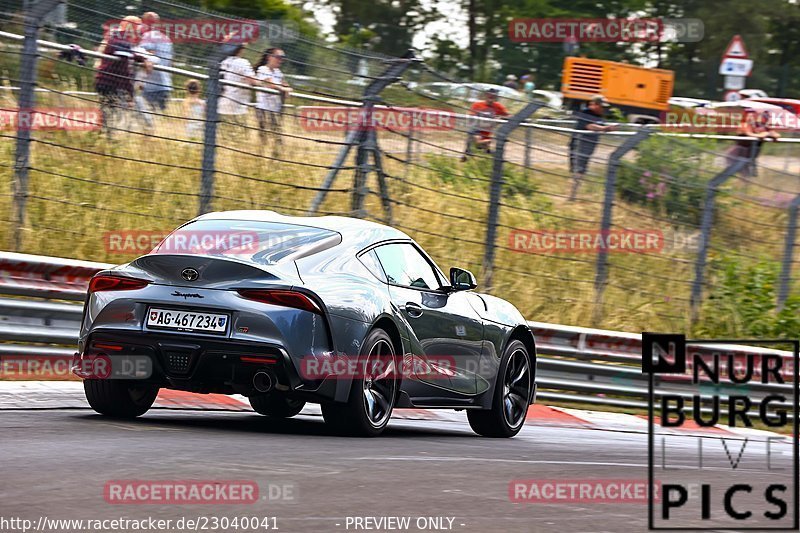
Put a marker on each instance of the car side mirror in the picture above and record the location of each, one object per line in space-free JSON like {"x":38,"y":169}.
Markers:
{"x":462,"y":280}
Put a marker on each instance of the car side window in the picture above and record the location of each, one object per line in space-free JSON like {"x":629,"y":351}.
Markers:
{"x":370,"y":260}
{"x":404,"y":265}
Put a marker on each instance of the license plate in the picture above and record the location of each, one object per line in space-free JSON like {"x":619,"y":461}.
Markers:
{"x":193,"y":321}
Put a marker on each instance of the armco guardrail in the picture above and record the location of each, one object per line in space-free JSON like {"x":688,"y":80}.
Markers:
{"x":575,"y":364}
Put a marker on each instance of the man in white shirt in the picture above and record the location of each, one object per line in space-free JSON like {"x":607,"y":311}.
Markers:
{"x":268,"y":105}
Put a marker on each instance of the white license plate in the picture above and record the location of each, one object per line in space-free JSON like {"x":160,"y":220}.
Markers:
{"x":193,"y":321}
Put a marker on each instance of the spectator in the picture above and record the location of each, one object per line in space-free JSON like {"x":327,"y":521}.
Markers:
{"x":528,"y":85}
{"x":582,"y":145}
{"x":142,"y":70}
{"x":269,"y":106}
{"x":158,"y":84}
{"x":511,"y":82}
{"x":194,"y":108}
{"x":234,"y":100}
{"x":114,"y":78}
{"x":481,"y":134}
{"x":754,"y":125}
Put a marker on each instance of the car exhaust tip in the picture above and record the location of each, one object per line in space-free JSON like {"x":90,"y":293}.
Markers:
{"x":263,"y":382}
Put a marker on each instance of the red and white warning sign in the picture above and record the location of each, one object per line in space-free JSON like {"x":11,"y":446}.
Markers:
{"x":736,"y":49}
{"x":735,"y":60}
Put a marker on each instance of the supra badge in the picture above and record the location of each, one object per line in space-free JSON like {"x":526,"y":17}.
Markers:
{"x":190,"y":274}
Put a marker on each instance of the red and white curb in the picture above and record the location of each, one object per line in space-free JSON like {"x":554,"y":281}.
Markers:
{"x":23,"y":395}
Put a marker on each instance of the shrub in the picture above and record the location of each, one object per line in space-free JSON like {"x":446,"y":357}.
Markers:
{"x":666,"y":177}
{"x":742,"y":302}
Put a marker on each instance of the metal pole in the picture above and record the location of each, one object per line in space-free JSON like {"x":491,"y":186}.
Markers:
{"x":528,"y":135}
{"x":34,"y":15}
{"x":362,"y":164}
{"x":705,"y":232}
{"x":213,"y":91}
{"x":601,"y":268}
{"x":357,"y":136}
{"x":496,"y":187}
{"x":788,"y":254}
{"x":409,"y":148}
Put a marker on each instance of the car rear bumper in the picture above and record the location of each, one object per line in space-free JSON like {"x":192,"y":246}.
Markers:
{"x":197,"y":364}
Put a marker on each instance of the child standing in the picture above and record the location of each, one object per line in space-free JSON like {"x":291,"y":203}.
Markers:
{"x":194,"y":108}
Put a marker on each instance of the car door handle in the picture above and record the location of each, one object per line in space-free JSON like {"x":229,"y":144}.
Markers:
{"x":413,"y":310}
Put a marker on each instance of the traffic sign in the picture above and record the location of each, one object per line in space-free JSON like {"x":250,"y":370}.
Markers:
{"x":734,"y":82}
{"x":736,"y":48}
{"x":732,"y":66}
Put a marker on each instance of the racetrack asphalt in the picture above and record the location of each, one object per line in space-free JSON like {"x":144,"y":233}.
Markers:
{"x":56,"y":463}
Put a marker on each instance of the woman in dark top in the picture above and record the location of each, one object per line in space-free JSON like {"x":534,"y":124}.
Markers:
{"x":754,"y":125}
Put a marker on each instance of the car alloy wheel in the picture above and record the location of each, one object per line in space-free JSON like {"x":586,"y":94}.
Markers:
{"x":379,"y":385}
{"x":516,"y":388}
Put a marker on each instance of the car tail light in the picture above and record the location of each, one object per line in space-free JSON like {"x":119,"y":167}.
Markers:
{"x":115,"y":283}
{"x":106,"y":346}
{"x":282,"y":297}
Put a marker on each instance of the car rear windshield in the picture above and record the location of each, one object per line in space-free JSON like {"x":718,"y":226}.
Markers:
{"x":264,"y":243}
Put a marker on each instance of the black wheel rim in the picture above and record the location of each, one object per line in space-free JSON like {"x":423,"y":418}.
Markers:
{"x":516,"y":388}
{"x":379,"y":384}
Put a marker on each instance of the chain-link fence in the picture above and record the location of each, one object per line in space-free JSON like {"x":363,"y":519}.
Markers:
{"x":631,"y":229}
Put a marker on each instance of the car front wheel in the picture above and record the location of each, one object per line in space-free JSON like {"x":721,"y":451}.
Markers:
{"x":372,"y":392}
{"x":511,"y":396}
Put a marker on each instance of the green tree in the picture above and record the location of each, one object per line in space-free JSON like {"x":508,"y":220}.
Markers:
{"x":392,"y":23}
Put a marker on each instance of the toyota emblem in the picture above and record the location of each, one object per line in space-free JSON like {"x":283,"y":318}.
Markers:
{"x":190,"y":274}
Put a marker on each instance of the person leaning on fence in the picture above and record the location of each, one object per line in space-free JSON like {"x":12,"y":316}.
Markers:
{"x":589,"y":119}
{"x":142,"y":70}
{"x":115,"y":77}
{"x":480,"y":135}
{"x":234,"y":101}
{"x":269,"y":106}
{"x":158,"y":85}
{"x":194,"y":109}
{"x":757,"y":126}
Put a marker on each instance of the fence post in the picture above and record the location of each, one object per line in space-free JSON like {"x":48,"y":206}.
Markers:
{"x":528,"y":135}
{"x":409,"y":148}
{"x":601,"y":268}
{"x":359,"y":137}
{"x":705,"y":232}
{"x":34,"y":15}
{"x":788,"y":253}
{"x":213,"y":91}
{"x":496,"y":187}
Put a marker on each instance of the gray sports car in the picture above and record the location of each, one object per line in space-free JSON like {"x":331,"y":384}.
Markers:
{"x":346,"y":313}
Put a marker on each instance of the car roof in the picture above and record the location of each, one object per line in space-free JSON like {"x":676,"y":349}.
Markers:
{"x":354,"y":231}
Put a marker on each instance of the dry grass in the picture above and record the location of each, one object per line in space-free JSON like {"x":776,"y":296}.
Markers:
{"x":83,"y":185}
